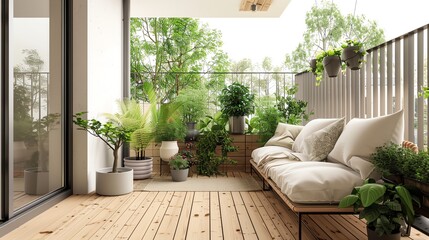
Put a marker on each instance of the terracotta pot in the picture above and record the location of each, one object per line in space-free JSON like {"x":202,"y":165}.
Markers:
{"x":352,"y":57}
{"x":332,"y":65}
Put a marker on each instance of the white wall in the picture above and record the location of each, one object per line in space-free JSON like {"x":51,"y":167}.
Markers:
{"x":97,"y":81}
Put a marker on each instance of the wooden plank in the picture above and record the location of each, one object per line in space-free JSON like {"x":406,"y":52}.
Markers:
{"x":215,"y":217}
{"x":330,"y":228}
{"x":199,"y":226}
{"x":230,"y":224}
{"x":158,"y":218}
{"x":73,"y":223}
{"x":258,"y":222}
{"x":144,"y":222}
{"x":281,"y":227}
{"x":168,"y":225}
{"x":314,"y":228}
{"x":349,"y":227}
{"x":121,"y":221}
{"x":119,"y":204}
{"x":132,"y":217}
{"x":247,"y":228}
{"x":182,"y":226}
{"x":42,"y":223}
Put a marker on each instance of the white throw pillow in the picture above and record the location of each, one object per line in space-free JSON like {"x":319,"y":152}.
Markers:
{"x":311,"y":127}
{"x":360,"y":138}
{"x":320,"y":143}
{"x":285,"y":135}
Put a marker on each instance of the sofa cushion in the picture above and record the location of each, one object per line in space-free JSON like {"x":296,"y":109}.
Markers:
{"x":285,"y":135}
{"x":315,"y":182}
{"x":318,"y":144}
{"x":360,"y":138}
{"x":309,"y":128}
{"x":261,"y":153}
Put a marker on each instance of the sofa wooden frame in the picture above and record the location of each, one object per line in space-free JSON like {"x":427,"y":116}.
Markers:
{"x":298,"y":208}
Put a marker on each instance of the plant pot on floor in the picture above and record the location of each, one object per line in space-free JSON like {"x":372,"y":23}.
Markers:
{"x":142,"y":168}
{"x":352,"y":57}
{"x":114,"y":184}
{"x":332,"y":65}
{"x":168,"y":149}
{"x":36,"y":181}
{"x":179,"y":175}
{"x":372,"y":235}
{"x":236,"y":124}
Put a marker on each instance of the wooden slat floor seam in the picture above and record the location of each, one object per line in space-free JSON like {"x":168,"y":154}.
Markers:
{"x":187,"y":215}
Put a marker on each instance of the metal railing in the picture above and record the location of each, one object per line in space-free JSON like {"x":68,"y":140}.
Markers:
{"x":389,"y":80}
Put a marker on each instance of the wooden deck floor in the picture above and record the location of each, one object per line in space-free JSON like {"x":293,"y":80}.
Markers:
{"x":185,"y":215}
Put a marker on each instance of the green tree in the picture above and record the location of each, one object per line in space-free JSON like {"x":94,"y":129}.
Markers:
{"x":328,"y":28}
{"x":163,"y":47}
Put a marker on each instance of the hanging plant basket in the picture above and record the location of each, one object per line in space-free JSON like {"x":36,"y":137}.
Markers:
{"x":332,"y":65}
{"x":353,"y":57}
{"x":313,"y":65}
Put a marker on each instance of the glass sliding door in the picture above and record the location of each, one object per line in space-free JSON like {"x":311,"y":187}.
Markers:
{"x":37,"y":60}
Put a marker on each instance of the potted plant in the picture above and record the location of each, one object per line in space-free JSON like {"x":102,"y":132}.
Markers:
{"x":384,"y":206}
{"x":194,"y":107}
{"x":332,"y":61}
{"x":142,"y":125}
{"x":353,"y":54}
{"x":179,"y":168}
{"x":236,"y":102}
{"x":114,"y":180}
{"x":313,"y":63}
{"x":168,"y":132}
{"x":36,"y":178}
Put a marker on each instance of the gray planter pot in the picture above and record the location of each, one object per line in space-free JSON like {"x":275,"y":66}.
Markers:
{"x":352,"y":57}
{"x":36,"y":181}
{"x":142,"y":168}
{"x":372,"y":235}
{"x":332,"y":65}
{"x":236,"y":125}
{"x":179,"y":175}
{"x":114,"y":184}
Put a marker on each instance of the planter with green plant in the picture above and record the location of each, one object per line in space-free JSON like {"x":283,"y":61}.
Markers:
{"x":194,"y":104}
{"x":236,"y":102}
{"x":329,"y":61}
{"x":114,"y":180}
{"x":353,"y":54}
{"x":213,"y":134}
{"x":384,"y":206}
{"x":179,"y":168}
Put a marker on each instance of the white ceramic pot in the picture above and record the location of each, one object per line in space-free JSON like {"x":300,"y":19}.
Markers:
{"x":142,"y":168}
{"x":36,"y":181}
{"x":168,"y":149}
{"x":113,"y":184}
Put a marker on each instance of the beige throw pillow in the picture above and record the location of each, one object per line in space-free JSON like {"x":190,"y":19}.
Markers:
{"x":320,"y":143}
{"x":284,"y":136}
{"x":360,"y":138}
{"x":311,"y":127}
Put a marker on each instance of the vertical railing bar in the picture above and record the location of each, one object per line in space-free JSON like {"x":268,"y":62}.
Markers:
{"x":362,"y":92}
{"x":356,"y":81}
{"x":411,"y":97}
{"x":420,"y":109}
{"x":375,"y":84}
{"x":389,"y":79}
{"x":368,"y":86}
{"x":382,"y":71}
{"x":347,"y":91}
{"x":398,"y":74}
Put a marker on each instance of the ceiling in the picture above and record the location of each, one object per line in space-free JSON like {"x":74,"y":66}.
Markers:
{"x":204,"y":8}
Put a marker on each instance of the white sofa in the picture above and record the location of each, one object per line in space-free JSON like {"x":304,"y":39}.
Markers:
{"x":323,"y":161}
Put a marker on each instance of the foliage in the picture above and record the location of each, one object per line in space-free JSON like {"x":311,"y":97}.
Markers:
{"x":194,"y":103}
{"x":265,"y":122}
{"x":112,"y":134}
{"x":424,"y":92}
{"x":292,"y":110}
{"x":236,"y":100}
{"x":170,"y":126}
{"x":142,"y":125}
{"x":163,"y":47}
{"x":354,"y":43}
{"x":326,"y":27}
{"x":385,"y":206}
{"x":213,"y":134}
{"x":177,"y":162}
{"x":319,"y":62}
{"x":416,"y":167}
{"x":22,"y":122}
{"x":389,"y":158}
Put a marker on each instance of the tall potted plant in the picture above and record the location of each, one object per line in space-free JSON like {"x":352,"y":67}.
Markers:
{"x":236,"y":102}
{"x":353,"y":54}
{"x":384,"y":206}
{"x":194,"y":107}
{"x":115,"y":180}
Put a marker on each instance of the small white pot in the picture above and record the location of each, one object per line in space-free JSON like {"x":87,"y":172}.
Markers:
{"x":168,"y":149}
{"x":113,"y":184}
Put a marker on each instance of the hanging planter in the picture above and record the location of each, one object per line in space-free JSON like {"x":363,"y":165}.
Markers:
{"x":332,"y":65}
{"x":353,"y":54}
{"x":313,"y":65}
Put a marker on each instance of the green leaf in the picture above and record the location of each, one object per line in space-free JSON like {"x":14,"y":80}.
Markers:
{"x":370,"y":193}
{"x":347,"y":201}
